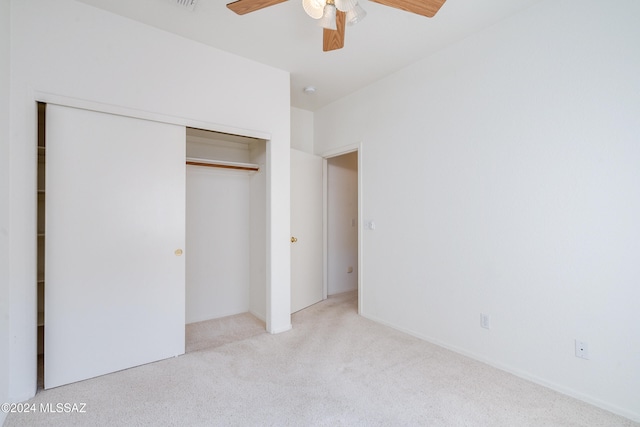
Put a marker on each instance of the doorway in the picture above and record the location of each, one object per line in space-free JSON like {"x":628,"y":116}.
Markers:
{"x":342,"y":223}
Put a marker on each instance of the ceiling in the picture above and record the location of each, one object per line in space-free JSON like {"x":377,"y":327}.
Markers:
{"x":283,"y":36}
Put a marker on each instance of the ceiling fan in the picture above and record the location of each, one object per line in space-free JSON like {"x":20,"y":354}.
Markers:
{"x":334,"y":14}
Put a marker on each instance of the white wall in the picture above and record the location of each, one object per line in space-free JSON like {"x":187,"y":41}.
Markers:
{"x":5,"y":136}
{"x":217,"y":243}
{"x":77,"y":51}
{"x":302,"y":130}
{"x":502,"y":173}
{"x":216,"y":149}
{"x":342,"y":220}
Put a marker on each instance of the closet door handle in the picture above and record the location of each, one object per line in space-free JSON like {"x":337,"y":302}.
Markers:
{"x":294,"y":239}
{"x":178,"y":252}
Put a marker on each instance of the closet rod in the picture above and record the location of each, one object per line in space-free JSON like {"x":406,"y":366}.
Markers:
{"x":222,"y":164}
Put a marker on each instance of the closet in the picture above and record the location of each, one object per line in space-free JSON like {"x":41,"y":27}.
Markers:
{"x":225,"y":225}
{"x":125,"y":246}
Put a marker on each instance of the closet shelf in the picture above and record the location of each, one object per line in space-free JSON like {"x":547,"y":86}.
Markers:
{"x":222,"y":164}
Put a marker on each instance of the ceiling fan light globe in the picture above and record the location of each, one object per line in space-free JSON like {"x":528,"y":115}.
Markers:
{"x":345,"y":5}
{"x":328,"y":19}
{"x":355,"y":15}
{"x":314,"y":8}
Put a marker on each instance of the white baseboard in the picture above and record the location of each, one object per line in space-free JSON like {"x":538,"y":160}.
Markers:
{"x":280,"y":330}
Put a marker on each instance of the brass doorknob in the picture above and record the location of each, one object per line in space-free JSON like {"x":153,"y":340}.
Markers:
{"x":294,"y":239}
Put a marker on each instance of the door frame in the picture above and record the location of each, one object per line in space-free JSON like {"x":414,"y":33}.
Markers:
{"x":357,"y":147}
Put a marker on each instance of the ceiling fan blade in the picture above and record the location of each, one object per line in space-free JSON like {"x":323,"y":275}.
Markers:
{"x":245,"y":6}
{"x":334,"y":39}
{"x":426,"y":8}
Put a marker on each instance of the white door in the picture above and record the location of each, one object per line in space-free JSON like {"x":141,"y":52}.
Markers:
{"x":115,"y":230}
{"x":306,"y":230}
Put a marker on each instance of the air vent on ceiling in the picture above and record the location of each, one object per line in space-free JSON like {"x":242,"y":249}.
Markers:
{"x":187,"y":4}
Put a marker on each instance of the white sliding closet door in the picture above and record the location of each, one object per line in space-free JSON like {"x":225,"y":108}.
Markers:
{"x":115,"y":230}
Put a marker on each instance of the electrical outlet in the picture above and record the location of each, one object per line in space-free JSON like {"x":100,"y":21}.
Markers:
{"x":485,"y":321}
{"x":582,"y":349}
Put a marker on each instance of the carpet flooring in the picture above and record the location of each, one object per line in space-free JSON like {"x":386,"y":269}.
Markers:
{"x":334,"y":368}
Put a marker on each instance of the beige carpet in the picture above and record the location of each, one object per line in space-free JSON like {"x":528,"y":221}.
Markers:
{"x":334,"y":368}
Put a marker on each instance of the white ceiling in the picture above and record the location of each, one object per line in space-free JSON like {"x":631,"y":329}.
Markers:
{"x":284,"y":37}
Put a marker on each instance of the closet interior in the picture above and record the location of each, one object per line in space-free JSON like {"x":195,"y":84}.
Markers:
{"x":225,"y":225}
{"x":41,"y":227}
